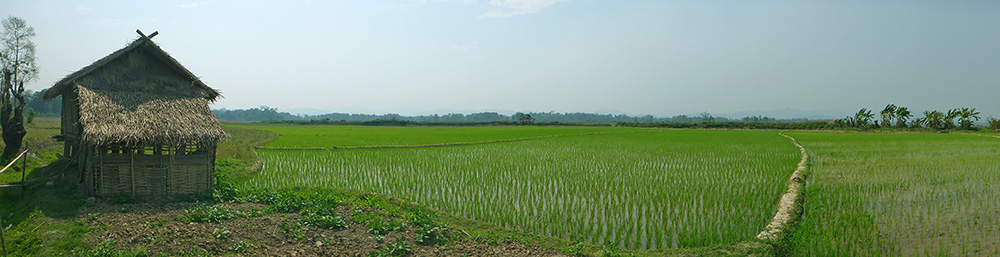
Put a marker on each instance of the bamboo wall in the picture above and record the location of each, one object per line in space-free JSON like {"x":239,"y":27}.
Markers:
{"x":70,"y":127}
{"x":152,"y":172}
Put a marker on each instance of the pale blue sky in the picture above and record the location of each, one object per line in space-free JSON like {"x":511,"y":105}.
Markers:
{"x":657,"y":57}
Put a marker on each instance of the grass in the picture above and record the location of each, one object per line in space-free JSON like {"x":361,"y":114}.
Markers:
{"x":899,"y":194}
{"x":40,"y":221}
{"x":665,"y":189}
{"x":241,"y":140}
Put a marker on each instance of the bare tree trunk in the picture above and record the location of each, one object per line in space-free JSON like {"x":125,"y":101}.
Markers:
{"x":11,"y":117}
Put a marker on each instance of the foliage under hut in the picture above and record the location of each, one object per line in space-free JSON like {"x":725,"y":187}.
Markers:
{"x":137,"y":121}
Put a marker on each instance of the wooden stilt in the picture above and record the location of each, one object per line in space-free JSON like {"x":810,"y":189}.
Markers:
{"x":131,"y":170}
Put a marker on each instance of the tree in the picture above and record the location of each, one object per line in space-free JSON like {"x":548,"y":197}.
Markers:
{"x":902,"y":114}
{"x":863,"y":118}
{"x":17,"y":62}
{"x":888,"y":114}
{"x":917,"y":123}
{"x":965,"y":117}
{"x":850,"y":122}
{"x":994,"y":124}
{"x":933,"y":119}
{"x":759,"y":118}
{"x":949,"y":119}
{"x":707,"y":117}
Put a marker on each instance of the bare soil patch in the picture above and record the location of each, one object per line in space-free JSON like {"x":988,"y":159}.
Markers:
{"x":160,"y":229}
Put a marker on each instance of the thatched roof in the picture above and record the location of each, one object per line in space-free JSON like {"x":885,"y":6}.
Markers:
{"x":140,"y":95}
{"x":141,"y":117}
{"x":141,"y":65}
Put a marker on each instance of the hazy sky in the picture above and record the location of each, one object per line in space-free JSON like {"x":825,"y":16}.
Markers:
{"x":658,"y":57}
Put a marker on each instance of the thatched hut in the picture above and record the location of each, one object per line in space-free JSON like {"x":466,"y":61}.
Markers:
{"x":137,"y":121}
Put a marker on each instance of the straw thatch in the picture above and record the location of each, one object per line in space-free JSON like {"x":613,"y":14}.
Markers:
{"x":138,"y":95}
{"x":141,"y":65}
{"x":134,"y":118}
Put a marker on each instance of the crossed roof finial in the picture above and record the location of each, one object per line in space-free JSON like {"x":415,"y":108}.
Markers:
{"x":144,"y":35}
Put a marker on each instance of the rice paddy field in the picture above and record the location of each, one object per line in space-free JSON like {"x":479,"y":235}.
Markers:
{"x":866,"y":194}
{"x":900,"y":195}
{"x":631,"y":188}
{"x":326,"y":136}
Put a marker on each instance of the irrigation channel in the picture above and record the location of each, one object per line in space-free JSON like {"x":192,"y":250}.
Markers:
{"x":649,"y":190}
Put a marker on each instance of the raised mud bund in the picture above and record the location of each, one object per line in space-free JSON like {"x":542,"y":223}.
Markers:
{"x":790,"y":203}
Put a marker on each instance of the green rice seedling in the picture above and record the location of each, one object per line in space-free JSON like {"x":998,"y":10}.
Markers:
{"x":648,"y":190}
{"x":304,"y":136}
{"x":899,"y":194}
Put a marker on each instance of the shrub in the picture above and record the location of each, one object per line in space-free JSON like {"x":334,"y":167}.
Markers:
{"x":110,"y":249}
{"x":431,"y":235}
{"x":324,"y":221}
{"x":401,"y":248}
{"x":224,"y":190}
{"x":377,"y":227}
{"x":242,"y":246}
{"x":221,"y":233}
{"x":421,"y":218}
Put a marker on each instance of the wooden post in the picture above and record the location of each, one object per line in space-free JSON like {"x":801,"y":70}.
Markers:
{"x":132,"y":168}
{"x":132,"y":172}
{"x":170,"y":170}
{"x":101,"y":187}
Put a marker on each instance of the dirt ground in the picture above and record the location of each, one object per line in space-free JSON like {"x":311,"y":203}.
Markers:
{"x":159,"y":229}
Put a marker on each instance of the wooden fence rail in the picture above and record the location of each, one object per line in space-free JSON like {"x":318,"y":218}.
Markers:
{"x":24,"y":169}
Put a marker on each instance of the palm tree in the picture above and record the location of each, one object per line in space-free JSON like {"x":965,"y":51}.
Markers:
{"x":863,"y":117}
{"x":949,"y":119}
{"x":887,"y":115}
{"x":917,"y":123}
{"x":933,"y":119}
{"x":847,"y":121}
{"x":902,"y":114}
{"x":965,"y":117}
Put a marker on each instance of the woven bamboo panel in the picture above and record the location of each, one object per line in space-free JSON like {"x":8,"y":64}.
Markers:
{"x":149,"y":177}
{"x":120,"y":175}
{"x":189,"y":179}
{"x":153,"y":182}
{"x":108,"y":179}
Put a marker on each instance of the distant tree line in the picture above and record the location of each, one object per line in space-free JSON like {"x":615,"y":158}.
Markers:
{"x":426,"y":123}
{"x":893,"y":116}
{"x":254,"y":114}
{"x":35,"y":104}
{"x":265,"y":113}
{"x":811,"y":125}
